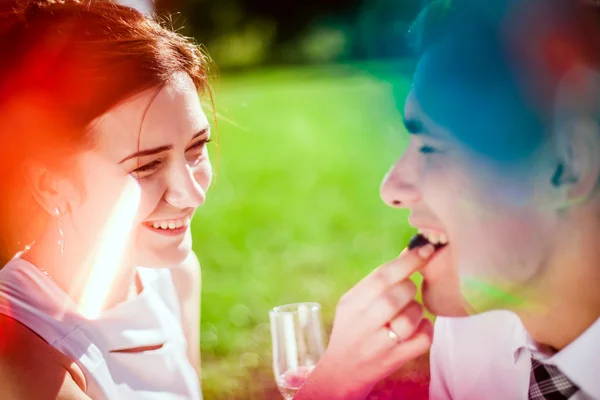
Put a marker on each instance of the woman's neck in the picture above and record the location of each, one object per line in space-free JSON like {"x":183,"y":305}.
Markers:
{"x":94,"y":281}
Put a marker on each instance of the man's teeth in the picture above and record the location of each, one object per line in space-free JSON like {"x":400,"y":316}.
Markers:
{"x":171,"y":224}
{"x":435,"y":238}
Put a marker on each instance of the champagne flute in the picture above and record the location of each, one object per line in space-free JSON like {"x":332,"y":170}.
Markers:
{"x":298,"y":344}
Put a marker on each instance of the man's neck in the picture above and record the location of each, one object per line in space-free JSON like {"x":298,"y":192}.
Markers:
{"x":560,"y":326}
{"x":568,"y":294}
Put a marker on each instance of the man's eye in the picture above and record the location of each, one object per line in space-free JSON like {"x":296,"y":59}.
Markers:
{"x":427,"y":150}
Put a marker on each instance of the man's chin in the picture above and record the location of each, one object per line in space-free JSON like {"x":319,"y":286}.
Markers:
{"x":443,"y":301}
{"x":441,"y":291}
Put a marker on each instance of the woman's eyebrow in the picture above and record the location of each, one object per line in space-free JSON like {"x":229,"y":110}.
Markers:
{"x":200,"y":133}
{"x":159,"y":149}
{"x":147,"y":152}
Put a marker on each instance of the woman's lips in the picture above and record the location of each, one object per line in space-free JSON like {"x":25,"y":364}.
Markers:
{"x":173,"y":223}
{"x":168,"y":232}
{"x":170,"y":227}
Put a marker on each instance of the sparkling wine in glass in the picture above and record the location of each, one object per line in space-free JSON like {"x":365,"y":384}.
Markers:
{"x":298,"y":344}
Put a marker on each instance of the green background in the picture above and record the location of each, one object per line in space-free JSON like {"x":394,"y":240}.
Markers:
{"x":294,"y":213}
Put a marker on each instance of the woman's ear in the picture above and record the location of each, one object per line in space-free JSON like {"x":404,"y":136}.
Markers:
{"x":50,"y":190}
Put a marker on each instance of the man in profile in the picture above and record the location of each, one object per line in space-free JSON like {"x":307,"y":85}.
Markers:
{"x":505,"y":111}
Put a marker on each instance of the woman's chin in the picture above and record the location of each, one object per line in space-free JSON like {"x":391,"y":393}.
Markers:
{"x":164,"y":258}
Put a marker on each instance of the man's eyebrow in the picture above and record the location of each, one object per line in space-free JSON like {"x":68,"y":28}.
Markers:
{"x":414,"y":126}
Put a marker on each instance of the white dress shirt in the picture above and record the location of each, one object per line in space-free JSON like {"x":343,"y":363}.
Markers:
{"x":488,"y":356}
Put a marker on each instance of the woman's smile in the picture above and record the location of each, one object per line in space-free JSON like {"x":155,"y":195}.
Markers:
{"x":170,"y":227}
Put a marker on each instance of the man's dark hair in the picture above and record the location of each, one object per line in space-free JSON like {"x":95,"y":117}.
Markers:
{"x":515,"y":51}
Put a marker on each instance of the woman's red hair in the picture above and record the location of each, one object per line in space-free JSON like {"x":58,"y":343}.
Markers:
{"x":63,"y":64}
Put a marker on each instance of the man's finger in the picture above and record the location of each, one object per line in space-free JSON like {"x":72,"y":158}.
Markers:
{"x":390,"y":274}
{"x":416,"y":345}
{"x":389,"y":304}
{"x":405,"y":324}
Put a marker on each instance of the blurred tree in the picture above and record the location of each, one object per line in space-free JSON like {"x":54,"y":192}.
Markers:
{"x":382,"y":28}
{"x":242,"y":33}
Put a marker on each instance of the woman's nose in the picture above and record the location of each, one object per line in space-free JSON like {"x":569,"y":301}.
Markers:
{"x":184,"y":190}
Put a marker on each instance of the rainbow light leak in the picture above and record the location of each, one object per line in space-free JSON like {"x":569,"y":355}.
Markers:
{"x":484,"y":295}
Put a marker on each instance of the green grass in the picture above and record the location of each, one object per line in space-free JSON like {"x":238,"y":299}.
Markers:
{"x":295,"y":213}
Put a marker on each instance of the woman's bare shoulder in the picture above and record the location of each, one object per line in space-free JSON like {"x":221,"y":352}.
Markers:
{"x":32,"y":369}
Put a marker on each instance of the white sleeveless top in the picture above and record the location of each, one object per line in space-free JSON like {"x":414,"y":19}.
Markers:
{"x":151,"y":318}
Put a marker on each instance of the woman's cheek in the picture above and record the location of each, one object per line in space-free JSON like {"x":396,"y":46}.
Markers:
{"x":203,"y":174}
{"x":151,"y":195}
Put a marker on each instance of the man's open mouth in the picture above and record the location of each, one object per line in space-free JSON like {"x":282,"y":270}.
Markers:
{"x":421,"y":239}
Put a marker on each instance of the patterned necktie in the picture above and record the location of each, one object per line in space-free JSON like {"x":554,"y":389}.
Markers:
{"x":548,"y":383}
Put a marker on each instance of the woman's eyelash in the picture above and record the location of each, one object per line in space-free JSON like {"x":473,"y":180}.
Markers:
{"x":200,"y":143}
{"x":148,"y":167}
{"x":154,"y":164}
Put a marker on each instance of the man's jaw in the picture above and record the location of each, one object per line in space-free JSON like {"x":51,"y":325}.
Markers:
{"x":440,"y":287}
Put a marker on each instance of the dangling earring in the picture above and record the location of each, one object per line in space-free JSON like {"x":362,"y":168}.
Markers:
{"x":61,"y":241}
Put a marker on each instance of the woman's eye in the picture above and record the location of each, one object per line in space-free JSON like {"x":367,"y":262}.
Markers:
{"x":200,"y":144}
{"x":196,"y":152}
{"x":144,"y":169}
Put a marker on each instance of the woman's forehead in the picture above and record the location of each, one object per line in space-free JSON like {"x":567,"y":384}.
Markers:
{"x":134,"y":110}
{"x":156,"y":117}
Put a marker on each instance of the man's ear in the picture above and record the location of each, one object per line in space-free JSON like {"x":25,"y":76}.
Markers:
{"x":577,"y":169}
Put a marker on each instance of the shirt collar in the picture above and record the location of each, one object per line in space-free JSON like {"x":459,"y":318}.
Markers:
{"x":522,"y":341}
{"x":578,"y":361}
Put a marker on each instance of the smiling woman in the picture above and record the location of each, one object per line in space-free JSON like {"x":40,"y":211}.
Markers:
{"x":104,"y":161}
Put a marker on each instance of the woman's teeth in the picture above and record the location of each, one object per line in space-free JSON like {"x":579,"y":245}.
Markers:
{"x":172,"y":224}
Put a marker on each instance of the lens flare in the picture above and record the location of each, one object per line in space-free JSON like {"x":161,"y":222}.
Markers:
{"x":110,"y":253}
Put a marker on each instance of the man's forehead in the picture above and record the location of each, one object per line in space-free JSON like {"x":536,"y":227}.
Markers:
{"x":478,"y":100}
{"x":499,"y":80}
{"x":417,"y":122}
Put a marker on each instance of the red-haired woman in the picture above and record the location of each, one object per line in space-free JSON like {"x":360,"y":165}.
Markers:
{"x":103,"y":161}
